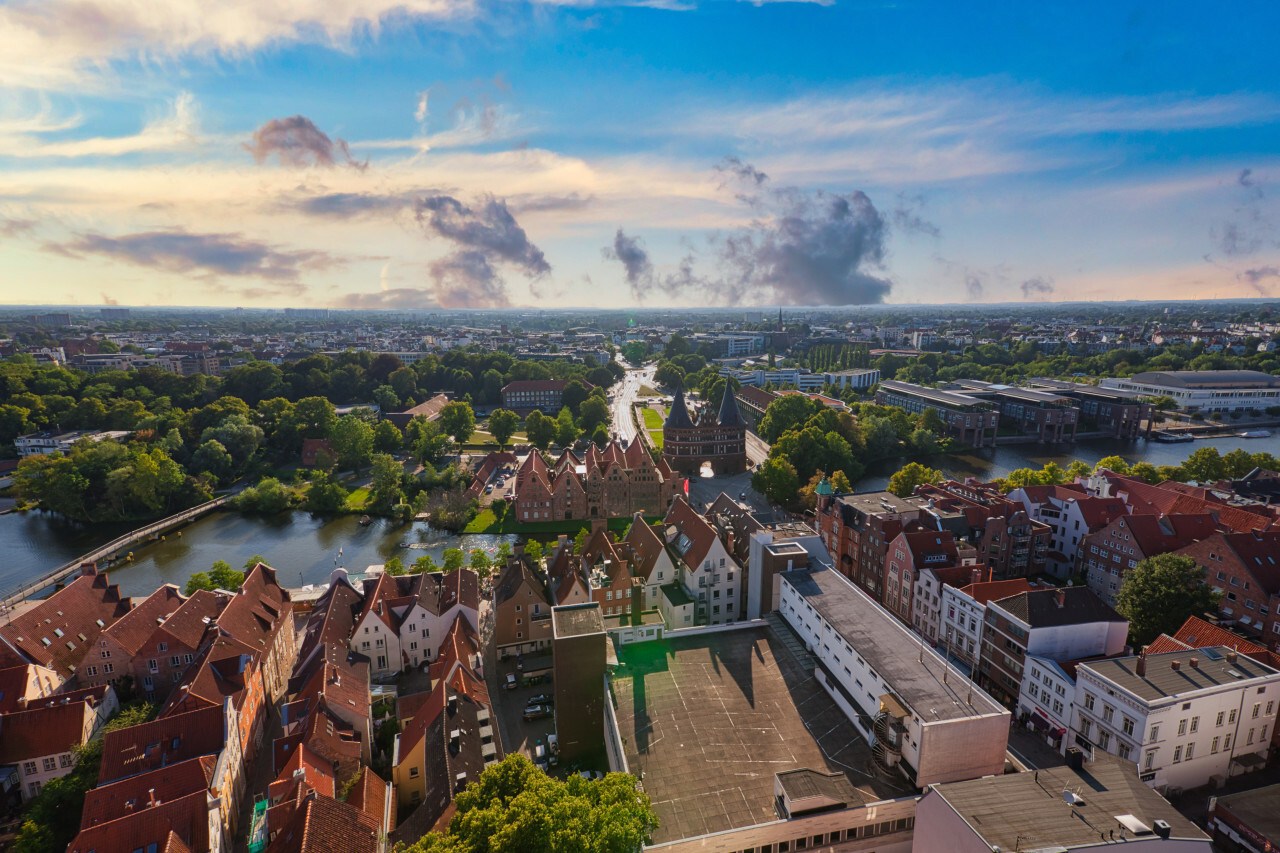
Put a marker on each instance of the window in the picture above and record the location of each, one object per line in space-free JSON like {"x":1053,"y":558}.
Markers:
{"x":153,"y":665}
{"x":164,"y":647}
{"x":1123,"y":750}
{"x":1150,"y":761}
{"x":1221,"y":714}
{"x":1195,"y":724}
{"x":1270,"y":706}
{"x":1226,"y":743}
{"x":1213,"y":747}
{"x":1182,"y":727}
{"x":1257,"y":709}
{"x":1104,"y":739}
{"x":1191,"y":750}
{"x":1231,"y":716}
{"x":29,"y":767}
{"x":1177,"y":754}
{"x":1085,"y":726}
{"x":65,"y":760}
{"x":1088,"y":701}
{"x":1249,"y":740}
{"x":51,"y":763}
{"x":413,"y":772}
{"x":188,"y":657}
{"x":1126,"y":725}
{"x":1108,"y":712}
{"x":175,"y":661}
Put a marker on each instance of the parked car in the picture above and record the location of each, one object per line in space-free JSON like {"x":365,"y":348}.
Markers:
{"x":537,"y":712}
{"x":542,"y":699}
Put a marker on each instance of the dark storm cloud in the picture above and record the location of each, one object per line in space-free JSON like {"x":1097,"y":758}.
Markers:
{"x":804,"y":248}
{"x":213,"y":254}
{"x":1036,"y":287}
{"x":298,"y":142}
{"x":973,"y":287}
{"x":1260,"y":274}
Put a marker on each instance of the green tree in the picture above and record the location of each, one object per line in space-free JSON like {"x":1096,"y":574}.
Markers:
{"x":1160,"y":593}
{"x":534,"y":549}
{"x":385,"y":482}
{"x":601,"y":436}
{"x":1146,"y":472}
{"x":1078,"y":470}
{"x":220,"y":576}
{"x":566,"y":429}
{"x":502,"y":425}
{"x":903,"y":483}
{"x":352,"y":442}
{"x":268,"y":497}
{"x":254,"y":560}
{"x":394,"y":567}
{"x":453,"y":558}
{"x":516,"y":806}
{"x":635,"y":352}
{"x":212,"y":458}
{"x":314,"y":417}
{"x":1205,"y":465}
{"x":325,"y":494}
{"x":387,"y":438}
{"x":777,"y":480}
{"x":540,"y":429}
{"x":458,"y":420}
{"x":594,"y":412}
{"x":788,"y":412}
{"x":425,"y":564}
{"x":840,"y":484}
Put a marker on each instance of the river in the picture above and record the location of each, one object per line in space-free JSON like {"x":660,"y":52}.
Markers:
{"x":303,"y":547}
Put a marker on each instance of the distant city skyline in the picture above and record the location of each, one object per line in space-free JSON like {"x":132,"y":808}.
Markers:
{"x":473,"y":154}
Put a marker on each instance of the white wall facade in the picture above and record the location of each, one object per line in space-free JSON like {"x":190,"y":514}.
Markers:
{"x":961,"y":624}
{"x":375,"y":639}
{"x":1047,"y":688}
{"x":1182,"y":741}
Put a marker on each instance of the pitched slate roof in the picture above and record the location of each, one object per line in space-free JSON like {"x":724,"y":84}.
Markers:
{"x":678,"y":417}
{"x":1039,"y":608}
{"x":729,"y":415}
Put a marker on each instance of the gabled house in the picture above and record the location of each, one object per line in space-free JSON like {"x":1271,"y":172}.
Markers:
{"x":435,"y":600}
{"x":1071,"y":514}
{"x":705,"y":569}
{"x":910,"y":553}
{"x":1130,"y":539}
{"x":1245,"y":569}
{"x":61,"y":632}
{"x":260,"y":615}
{"x":122,"y":640}
{"x":22,"y":684}
{"x":377,"y":628}
{"x":162,"y":742}
{"x":522,"y":612}
{"x":39,"y":742}
{"x":163,"y":658}
{"x":650,"y":560}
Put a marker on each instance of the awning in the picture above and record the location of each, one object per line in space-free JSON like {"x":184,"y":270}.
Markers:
{"x":1040,"y":723}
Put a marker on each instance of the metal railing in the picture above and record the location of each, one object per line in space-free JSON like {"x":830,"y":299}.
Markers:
{"x":20,"y":592}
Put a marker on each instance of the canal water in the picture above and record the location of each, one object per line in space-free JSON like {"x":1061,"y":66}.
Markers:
{"x":304,"y":547}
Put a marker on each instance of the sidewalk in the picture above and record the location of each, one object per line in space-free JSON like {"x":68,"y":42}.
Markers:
{"x":1031,"y":749}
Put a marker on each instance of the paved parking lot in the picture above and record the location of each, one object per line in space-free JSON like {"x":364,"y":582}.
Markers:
{"x":519,"y":735}
{"x":707,"y":721}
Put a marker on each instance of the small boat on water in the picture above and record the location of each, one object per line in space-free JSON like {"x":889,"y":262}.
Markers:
{"x":365,"y":521}
{"x":1256,"y":433}
{"x":1171,"y":437}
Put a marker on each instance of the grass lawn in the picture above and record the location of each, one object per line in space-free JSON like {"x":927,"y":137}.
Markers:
{"x":358,"y":498}
{"x":646,"y":391}
{"x":488,"y":522}
{"x":652,"y":420}
{"x":655,"y":435}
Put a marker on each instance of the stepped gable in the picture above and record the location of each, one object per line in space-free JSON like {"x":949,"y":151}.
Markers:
{"x":678,"y":417}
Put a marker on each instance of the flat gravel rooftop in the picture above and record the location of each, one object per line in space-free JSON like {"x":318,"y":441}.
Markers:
{"x":708,"y":720}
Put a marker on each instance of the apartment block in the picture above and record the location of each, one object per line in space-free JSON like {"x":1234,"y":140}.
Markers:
{"x":968,"y":419}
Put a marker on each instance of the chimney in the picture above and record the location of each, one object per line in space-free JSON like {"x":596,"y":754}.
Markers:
{"x":1195,"y":663}
{"x":151,"y":797}
{"x":975,"y":575}
{"x":597,"y":525}
{"x":637,"y":601}
{"x":1231,"y":656}
{"x":1075,"y":758}
{"x":1141,"y":668}
{"x":1060,"y":596}
{"x":1175,"y":665}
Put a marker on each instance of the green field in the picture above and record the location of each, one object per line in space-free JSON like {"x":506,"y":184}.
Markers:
{"x":652,"y":420}
{"x":646,"y":391}
{"x":358,"y":498}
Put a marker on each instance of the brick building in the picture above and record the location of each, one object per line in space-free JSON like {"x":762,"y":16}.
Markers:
{"x":609,"y":483}
{"x":525,"y":395}
{"x":1245,"y":568}
{"x":968,"y":419}
{"x":1115,"y":549}
{"x":690,"y":439}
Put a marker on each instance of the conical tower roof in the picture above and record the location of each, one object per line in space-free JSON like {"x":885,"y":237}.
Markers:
{"x":678,"y":417}
{"x":729,"y":415}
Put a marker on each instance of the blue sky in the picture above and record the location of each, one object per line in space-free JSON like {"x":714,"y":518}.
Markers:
{"x":463,"y":153}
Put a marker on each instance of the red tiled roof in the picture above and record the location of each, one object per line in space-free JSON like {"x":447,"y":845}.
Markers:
{"x":256,"y":613}
{"x":187,"y":817}
{"x":700,"y":533}
{"x":325,"y":825}
{"x":43,"y":731}
{"x":168,"y":740}
{"x":407,"y":707}
{"x":1098,"y":512}
{"x":189,"y":622}
{"x":17,"y":681}
{"x":137,"y":626}
{"x":369,"y":795}
{"x":221,"y":671}
{"x":315,"y":770}
{"x":1162,"y":534}
{"x":1233,"y":518}
{"x":57,"y":631}
{"x":110,"y":801}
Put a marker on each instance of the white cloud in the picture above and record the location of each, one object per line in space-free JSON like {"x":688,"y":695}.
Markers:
{"x":177,"y":128}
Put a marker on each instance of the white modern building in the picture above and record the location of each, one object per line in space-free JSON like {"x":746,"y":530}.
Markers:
{"x":38,"y":443}
{"x":1186,"y":718}
{"x":1046,"y":696}
{"x":918,"y":713}
{"x":1206,"y":390}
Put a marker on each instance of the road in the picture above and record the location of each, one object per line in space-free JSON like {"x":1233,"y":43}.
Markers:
{"x":757,"y":449}
{"x":624,"y":396}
